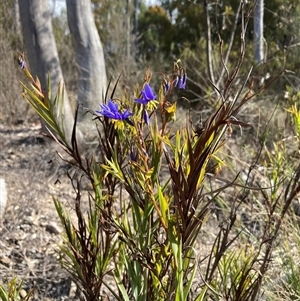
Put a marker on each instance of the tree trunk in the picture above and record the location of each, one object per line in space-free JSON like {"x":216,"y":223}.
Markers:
{"x":128,"y":29}
{"x":16,"y":15}
{"x":92,"y":82}
{"x":209,"y":52}
{"x":42,"y":53}
{"x":258,"y":32}
{"x":135,"y":24}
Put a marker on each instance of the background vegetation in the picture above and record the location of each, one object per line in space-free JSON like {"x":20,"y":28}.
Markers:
{"x":255,"y":251}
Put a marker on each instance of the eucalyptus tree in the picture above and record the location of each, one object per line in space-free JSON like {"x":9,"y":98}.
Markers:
{"x":42,"y":52}
{"x":258,"y":34}
{"x":36,"y":21}
{"x":92,"y":81}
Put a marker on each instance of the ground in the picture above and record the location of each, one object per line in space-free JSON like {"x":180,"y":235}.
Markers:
{"x":31,"y":229}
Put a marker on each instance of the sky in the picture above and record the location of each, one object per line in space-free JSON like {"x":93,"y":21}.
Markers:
{"x":58,"y":5}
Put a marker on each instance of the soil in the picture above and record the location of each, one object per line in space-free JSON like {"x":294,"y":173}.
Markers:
{"x":31,"y":229}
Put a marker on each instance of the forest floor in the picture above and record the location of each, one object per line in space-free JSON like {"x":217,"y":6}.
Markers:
{"x":31,"y":229}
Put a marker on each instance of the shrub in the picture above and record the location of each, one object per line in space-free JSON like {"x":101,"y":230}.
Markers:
{"x":154,"y":189}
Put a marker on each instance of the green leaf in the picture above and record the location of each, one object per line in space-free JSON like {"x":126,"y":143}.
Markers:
{"x":176,"y":245}
{"x":202,"y":294}
{"x":113,"y":168}
{"x":163,"y":204}
{"x":188,"y":286}
{"x":121,"y":287}
{"x":3,"y":294}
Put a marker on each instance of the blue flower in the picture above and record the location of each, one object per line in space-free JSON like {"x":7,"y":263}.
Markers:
{"x":182,"y":81}
{"x":133,"y":156}
{"x":147,"y":95}
{"x":110,"y":110}
{"x":22,"y":63}
{"x":166,"y":86}
{"x":146,"y":117}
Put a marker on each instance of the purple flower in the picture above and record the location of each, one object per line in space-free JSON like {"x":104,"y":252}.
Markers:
{"x":166,"y":86}
{"x":146,"y":117}
{"x":182,"y":81}
{"x":147,"y":95}
{"x":133,"y":156}
{"x":110,"y":110}
{"x":22,"y":63}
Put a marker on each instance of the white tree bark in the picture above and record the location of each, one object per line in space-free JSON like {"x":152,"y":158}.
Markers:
{"x":42,"y":52}
{"x":258,"y":32}
{"x":16,"y":14}
{"x":135,"y":23}
{"x":92,"y":81}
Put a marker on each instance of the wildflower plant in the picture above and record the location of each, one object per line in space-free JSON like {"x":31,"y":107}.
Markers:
{"x":12,"y":291}
{"x":156,"y":178}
